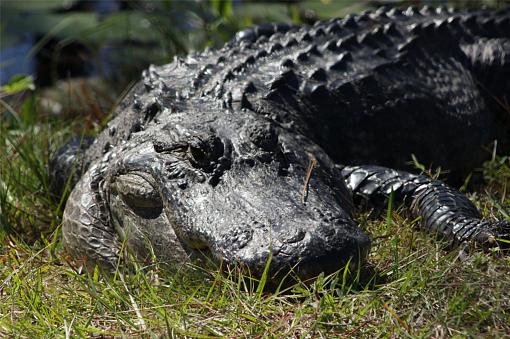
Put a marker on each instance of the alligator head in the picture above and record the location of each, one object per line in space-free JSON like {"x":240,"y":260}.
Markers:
{"x":242,"y":194}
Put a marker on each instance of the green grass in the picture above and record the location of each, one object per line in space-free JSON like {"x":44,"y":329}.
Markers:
{"x":410,"y":287}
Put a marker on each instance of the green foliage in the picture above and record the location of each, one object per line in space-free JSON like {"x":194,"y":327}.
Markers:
{"x":223,"y":8}
{"x":17,"y":84}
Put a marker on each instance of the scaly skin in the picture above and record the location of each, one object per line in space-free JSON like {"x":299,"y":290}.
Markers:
{"x":236,"y":152}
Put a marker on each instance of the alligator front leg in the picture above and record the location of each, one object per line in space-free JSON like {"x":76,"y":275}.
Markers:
{"x":443,"y":210}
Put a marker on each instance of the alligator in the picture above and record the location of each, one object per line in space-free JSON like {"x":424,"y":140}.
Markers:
{"x":261,"y":151}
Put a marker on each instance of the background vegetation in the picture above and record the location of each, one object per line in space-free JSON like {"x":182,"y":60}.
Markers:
{"x":83,"y":57}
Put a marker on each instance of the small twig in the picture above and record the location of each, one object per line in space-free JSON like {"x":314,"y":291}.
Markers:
{"x":395,"y":315}
{"x":309,"y":171}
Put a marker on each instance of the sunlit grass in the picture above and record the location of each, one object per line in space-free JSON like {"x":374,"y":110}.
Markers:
{"x":431,"y":292}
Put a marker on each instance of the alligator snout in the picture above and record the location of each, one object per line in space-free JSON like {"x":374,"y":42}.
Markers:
{"x":255,"y":215}
{"x":306,"y":248}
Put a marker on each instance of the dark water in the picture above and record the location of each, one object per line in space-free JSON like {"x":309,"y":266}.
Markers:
{"x":14,"y":60}
{"x":52,"y":42}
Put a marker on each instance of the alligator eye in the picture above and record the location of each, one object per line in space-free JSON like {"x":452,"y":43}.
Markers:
{"x":198,"y":151}
{"x":138,"y":194}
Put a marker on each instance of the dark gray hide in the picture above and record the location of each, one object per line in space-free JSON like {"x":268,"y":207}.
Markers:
{"x":236,"y":152}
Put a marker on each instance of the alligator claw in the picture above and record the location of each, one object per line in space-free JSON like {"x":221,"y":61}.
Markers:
{"x":496,"y":234}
